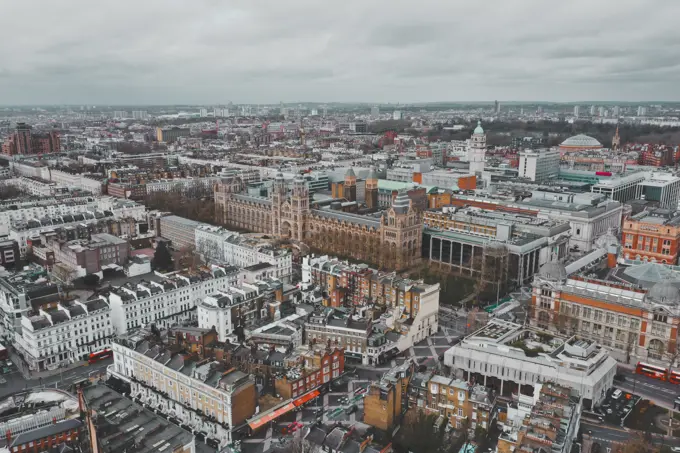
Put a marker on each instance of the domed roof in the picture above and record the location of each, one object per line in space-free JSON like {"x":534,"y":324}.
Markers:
{"x":478,"y":129}
{"x":581,"y":141}
{"x":553,"y":271}
{"x":606,"y":240}
{"x":665,"y":292}
{"x":401,"y":202}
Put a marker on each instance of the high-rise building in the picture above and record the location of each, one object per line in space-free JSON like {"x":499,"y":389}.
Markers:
{"x":139,"y":114}
{"x":592,"y":110}
{"x":203,"y":112}
{"x":616,"y":111}
{"x":24,"y":142}
{"x":169,"y":135}
{"x":540,"y":165}
{"x":120,"y":114}
{"x":23,"y":139}
{"x":396,"y":115}
{"x":641,"y":111}
{"x":375,"y":111}
{"x":576,"y":112}
{"x":600,"y":111}
{"x":496,"y":107}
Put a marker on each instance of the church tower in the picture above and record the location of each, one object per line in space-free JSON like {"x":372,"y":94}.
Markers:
{"x":299,"y":207}
{"x":350,"y":189}
{"x":616,"y":140}
{"x":477,"y":150}
{"x":372,"y":190}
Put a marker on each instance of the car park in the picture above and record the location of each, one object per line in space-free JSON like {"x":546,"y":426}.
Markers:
{"x":617,"y":394}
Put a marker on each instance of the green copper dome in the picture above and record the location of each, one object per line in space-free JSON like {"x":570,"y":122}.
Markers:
{"x":478,"y":129}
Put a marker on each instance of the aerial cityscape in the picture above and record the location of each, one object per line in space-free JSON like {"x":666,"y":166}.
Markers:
{"x":381,"y":228}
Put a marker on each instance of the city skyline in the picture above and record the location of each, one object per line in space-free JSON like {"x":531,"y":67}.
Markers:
{"x":299,"y":51}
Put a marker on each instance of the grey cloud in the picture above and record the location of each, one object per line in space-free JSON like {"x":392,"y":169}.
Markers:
{"x":210,"y":51}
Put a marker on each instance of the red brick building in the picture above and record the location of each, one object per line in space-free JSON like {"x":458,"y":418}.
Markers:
{"x":652,"y":236}
{"x":310,"y":369}
{"x":44,"y":439}
{"x":24,"y":142}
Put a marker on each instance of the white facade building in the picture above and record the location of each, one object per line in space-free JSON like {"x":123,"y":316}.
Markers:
{"x":620,"y":188}
{"x":166,"y":300}
{"x":589,"y":215}
{"x":66,"y":334}
{"x":539,"y":165}
{"x":494,"y":352}
{"x":661,"y":187}
{"x":181,"y":184}
{"x":201,"y":395}
{"x":74,"y":180}
{"x":216,"y":309}
{"x":36,"y":187}
{"x":222,"y":246}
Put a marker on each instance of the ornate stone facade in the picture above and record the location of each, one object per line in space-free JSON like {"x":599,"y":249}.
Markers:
{"x":391,"y":239}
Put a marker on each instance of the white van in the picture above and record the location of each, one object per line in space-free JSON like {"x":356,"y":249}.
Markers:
{"x":617,"y":394}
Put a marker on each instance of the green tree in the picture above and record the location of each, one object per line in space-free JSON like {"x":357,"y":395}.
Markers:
{"x":162,"y":259}
{"x":417,"y":433}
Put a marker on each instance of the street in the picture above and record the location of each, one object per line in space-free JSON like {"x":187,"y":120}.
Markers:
{"x":16,"y":382}
{"x":606,"y":433}
{"x":663,"y":393}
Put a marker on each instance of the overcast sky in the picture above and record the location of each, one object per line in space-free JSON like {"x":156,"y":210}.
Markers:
{"x":266,"y":51}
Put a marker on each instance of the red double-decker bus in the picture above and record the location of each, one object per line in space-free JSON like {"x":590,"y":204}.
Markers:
{"x":655,"y":372}
{"x":100,"y":355}
{"x":674,"y":377}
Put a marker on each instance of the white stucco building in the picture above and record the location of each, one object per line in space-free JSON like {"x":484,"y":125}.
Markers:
{"x":66,"y":334}
{"x":165,"y":299}
{"x":505,"y":354}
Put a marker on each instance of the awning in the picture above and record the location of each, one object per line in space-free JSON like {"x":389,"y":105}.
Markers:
{"x":271,"y":416}
{"x":306,"y":398}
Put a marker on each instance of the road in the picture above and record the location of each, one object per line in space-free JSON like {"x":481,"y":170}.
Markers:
{"x":16,"y":382}
{"x":606,"y":434}
{"x":662,"y":393}
{"x":452,"y":322}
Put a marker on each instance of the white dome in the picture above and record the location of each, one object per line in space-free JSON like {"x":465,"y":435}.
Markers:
{"x":581,"y":141}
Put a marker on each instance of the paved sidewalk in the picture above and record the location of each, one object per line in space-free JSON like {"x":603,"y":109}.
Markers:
{"x":22,"y":366}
